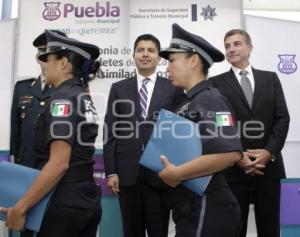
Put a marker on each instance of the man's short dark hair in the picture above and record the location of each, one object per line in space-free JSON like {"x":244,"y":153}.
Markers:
{"x":240,"y":32}
{"x":147,"y":37}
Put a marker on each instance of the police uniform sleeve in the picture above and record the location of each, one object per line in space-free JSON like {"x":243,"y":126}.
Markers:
{"x":217,"y":125}
{"x":62,"y":119}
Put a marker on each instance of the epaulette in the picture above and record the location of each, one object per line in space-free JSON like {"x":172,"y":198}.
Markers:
{"x":25,"y":80}
{"x":31,"y":81}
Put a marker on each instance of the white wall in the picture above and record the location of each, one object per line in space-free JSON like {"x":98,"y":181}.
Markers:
{"x":7,"y":45}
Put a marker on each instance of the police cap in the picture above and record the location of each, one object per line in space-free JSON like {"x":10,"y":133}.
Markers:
{"x":56,"y":43}
{"x":184,"y":41}
{"x":42,"y":38}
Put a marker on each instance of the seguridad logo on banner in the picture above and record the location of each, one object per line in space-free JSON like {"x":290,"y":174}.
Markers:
{"x":287,"y":64}
{"x":210,"y":19}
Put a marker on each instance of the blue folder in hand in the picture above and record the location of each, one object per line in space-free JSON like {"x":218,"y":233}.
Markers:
{"x":179,"y":140}
{"x":15,"y":180}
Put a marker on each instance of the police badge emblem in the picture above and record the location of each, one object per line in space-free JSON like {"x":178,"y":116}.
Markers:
{"x":208,"y":13}
{"x":287,"y":63}
{"x":51,"y":11}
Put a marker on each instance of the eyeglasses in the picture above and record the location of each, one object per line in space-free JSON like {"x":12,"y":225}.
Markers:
{"x":42,"y":50}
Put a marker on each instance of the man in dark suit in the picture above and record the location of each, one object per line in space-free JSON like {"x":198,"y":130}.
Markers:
{"x":261,"y":113}
{"x":133,"y":106}
{"x":29,"y":97}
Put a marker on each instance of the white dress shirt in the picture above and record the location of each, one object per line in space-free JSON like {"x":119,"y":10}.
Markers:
{"x":150,"y":86}
{"x":249,"y":75}
{"x":43,"y":83}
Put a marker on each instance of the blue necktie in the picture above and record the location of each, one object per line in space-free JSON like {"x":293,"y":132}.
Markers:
{"x":143,"y":92}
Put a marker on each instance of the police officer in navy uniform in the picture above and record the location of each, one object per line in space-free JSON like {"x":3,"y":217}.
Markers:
{"x":216,"y":213}
{"x":29,"y":97}
{"x":64,"y":144}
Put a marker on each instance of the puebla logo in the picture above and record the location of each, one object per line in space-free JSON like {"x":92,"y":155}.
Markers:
{"x":51,"y":11}
{"x":287,"y":63}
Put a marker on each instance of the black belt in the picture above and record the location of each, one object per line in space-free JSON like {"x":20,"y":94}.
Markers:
{"x":78,"y":174}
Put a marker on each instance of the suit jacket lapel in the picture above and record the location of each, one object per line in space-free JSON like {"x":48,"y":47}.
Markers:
{"x":234,"y":84}
{"x":132,"y":91}
{"x":157,"y":95}
{"x":257,"y":89}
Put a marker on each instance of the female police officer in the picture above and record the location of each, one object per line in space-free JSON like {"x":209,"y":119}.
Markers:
{"x":217,"y":212}
{"x":64,"y":145}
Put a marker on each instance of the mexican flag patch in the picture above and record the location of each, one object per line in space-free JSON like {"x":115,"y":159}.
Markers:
{"x":60,"y":108}
{"x":224,"y":119}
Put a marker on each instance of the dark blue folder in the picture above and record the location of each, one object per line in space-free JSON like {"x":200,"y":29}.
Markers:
{"x":179,"y":140}
{"x":15,"y":180}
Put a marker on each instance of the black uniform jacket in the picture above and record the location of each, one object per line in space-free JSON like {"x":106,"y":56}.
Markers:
{"x":69,"y":116}
{"x":207,"y":107}
{"x":28,"y":101}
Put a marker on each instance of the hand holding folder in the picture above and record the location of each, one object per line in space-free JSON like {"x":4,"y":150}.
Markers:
{"x":168,"y":174}
{"x":15,"y":180}
{"x":179,"y":140}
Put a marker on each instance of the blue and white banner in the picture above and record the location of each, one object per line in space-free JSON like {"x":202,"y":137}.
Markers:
{"x":104,"y":23}
{"x":209,"y":18}
{"x":114,"y":25}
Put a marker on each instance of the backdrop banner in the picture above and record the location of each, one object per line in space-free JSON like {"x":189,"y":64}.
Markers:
{"x":276,"y":49}
{"x":113,"y":26}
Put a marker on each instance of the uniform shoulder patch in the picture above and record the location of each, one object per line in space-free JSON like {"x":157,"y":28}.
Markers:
{"x":224,"y":119}
{"x":90,"y":112}
{"x":61,"y":108}
{"x":25,"y":80}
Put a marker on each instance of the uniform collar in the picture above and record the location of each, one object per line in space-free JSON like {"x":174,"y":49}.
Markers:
{"x":197,"y":88}
{"x":72,"y":81}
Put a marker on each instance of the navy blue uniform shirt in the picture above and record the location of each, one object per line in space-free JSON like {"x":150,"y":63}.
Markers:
{"x":69,"y":116}
{"x":207,"y":107}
